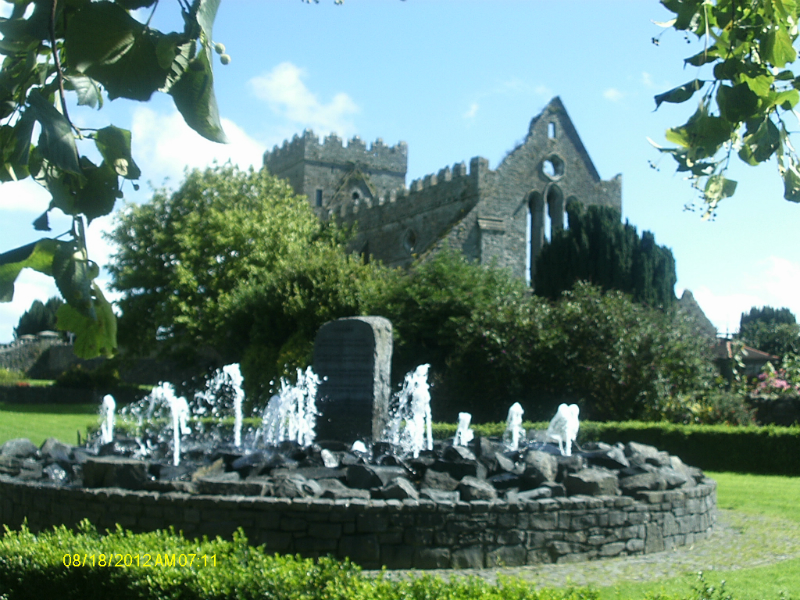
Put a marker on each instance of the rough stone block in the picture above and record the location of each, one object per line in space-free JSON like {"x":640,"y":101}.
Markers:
{"x":506,"y":556}
{"x":353,"y":358}
{"x":397,"y":557}
{"x":432,"y":558}
{"x":370,"y":523}
{"x":468,"y":558}
{"x":592,"y":482}
{"x":612,"y":549}
{"x":654,"y":540}
{"x":360,"y":548}
{"x":325,"y":530}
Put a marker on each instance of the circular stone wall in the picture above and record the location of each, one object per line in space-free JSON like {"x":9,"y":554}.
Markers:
{"x":420,"y":534}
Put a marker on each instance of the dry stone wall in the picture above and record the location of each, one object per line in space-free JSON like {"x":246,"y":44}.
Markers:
{"x":419,"y":534}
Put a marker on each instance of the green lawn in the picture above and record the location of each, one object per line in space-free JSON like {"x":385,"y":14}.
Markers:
{"x":767,"y":495}
{"x":38,"y":422}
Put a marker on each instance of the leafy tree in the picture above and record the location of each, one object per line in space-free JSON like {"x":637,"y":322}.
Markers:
{"x":180,"y":256}
{"x":273,"y":316}
{"x":39,"y":317}
{"x":474,"y":325}
{"x":771,"y":330}
{"x":748,"y":46}
{"x":627,"y":361}
{"x":597,"y":247}
{"x":86,"y":50}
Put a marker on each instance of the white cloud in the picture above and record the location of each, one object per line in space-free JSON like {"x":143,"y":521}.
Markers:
{"x":470,"y":113}
{"x":26,"y":196}
{"x":776,"y":283}
{"x":543,"y":90}
{"x":163,"y":146}
{"x":613,"y":94}
{"x":724,"y":310}
{"x":288,"y":96}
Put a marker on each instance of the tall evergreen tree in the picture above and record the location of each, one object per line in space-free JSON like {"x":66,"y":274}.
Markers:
{"x":597,"y":247}
{"x":39,"y":317}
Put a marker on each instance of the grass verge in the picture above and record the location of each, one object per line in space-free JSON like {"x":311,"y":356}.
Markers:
{"x":37,"y":422}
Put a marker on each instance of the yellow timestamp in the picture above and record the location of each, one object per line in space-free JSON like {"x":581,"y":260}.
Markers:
{"x":146,"y":561}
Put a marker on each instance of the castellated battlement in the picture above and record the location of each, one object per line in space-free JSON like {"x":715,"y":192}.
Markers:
{"x":424,"y":194}
{"x":378,"y":156}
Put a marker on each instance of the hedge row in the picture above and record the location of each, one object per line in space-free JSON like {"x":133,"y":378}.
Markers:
{"x":769,"y":450}
{"x":39,"y":566}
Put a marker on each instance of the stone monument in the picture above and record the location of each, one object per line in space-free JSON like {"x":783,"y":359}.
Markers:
{"x":352,"y":358}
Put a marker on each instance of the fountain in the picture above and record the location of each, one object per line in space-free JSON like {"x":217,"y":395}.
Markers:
{"x":107,"y":419}
{"x":291,"y":413}
{"x":564,"y":427}
{"x":409,"y":427}
{"x":464,"y":434}
{"x":514,"y":430}
{"x":386,"y":501}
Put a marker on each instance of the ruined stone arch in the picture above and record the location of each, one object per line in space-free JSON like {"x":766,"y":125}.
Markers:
{"x":545,"y":219}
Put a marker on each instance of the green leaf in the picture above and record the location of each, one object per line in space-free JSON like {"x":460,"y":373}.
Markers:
{"x":684,"y":10}
{"x":93,"y":336}
{"x":37,"y":256}
{"x":56,"y":142}
{"x":760,"y":85}
{"x":737,"y":103}
{"x":703,"y":133}
{"x":42,"y":223}
{"x":759,"y":146}
{"x":114,"y":145}
{"x":787,"y":99}
{"x":96,"y":198}
{"x":73,"y":275}
{"x":777,"y":47}
{"x":679,"y":94}
{"x":791,"y":183}
{"x":703,"y":58}
{"x":88,"y":91}
{"x":718,"y":188}
{"x":194,"y":97}
{"x":206,"y":12}
{"x":103,"y":41}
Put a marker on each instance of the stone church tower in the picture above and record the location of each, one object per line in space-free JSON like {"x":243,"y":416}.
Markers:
{"x":499,"y":216}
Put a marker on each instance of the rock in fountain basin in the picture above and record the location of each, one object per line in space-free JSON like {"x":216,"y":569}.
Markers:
{"x":598,"y":470}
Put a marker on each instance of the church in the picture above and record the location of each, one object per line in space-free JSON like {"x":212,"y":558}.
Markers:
{"x":497,"y":216}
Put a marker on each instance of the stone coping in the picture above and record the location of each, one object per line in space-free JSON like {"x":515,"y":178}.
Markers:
{"x":421,"y":534}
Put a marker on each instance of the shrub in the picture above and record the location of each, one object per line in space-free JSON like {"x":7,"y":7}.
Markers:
{"x":34,"y":566}
{"x":9,"y":376}
{"x":105,"y":377}
{"x":626,"y":360}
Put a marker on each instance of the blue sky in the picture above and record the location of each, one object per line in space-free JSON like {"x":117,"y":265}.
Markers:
{"x":456,"y":79}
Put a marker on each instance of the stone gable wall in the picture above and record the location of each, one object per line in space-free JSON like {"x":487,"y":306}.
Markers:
{"x":418,"y":534}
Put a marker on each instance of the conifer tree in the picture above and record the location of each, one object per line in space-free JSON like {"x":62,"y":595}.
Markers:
{"x":598,"y":248}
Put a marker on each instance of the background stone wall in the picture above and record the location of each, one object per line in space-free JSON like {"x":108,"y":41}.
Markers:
{"x":398,"y":534}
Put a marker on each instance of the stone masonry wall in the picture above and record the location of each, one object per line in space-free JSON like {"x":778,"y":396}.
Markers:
{"x":398,"y":534}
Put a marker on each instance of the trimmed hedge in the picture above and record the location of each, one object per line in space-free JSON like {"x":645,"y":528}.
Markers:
{"x":35,"y":566}
{"x":769,"y":450}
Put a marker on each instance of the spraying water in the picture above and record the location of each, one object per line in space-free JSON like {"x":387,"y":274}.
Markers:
{"x":179,"y":408}
{"x":409,"y":425}
{"x":107,"y":419}
{"x":225,"y":381}
{"x":235,"y":375}
{"x":464,"y":434}
{"x":514,"y":430}
{"x":291,"y":414}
